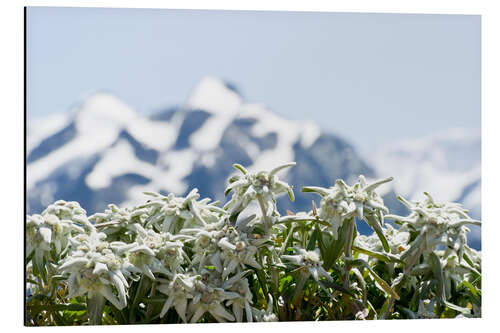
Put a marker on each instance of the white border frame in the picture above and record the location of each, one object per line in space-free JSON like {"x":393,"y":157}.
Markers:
{"x":12,"y":103}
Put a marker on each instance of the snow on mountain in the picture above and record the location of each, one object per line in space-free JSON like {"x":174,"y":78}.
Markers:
{"x":103,"y":151}
{"x":222,"y":103}
{"x":40,"y":129}
{"x":446,"y":164}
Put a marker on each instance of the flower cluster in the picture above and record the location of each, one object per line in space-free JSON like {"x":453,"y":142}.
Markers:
{"x":437,"y":224}
{"x":96,"y":268}
{"x":397,"y":239}
{"x":342,"y":202}
{"x":186,"y":259}
{"x":51,"y":231}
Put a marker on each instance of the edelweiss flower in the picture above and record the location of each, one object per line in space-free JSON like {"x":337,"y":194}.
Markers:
{"x":397,"y":239}
{"x":248,"y":186}
{"x":50,"y":230}
{"x":67,"y":210}
{"x":309,"y":260}
{"x":171,"y":213}
{"x":240,"y":285}
{"x":236,"y":252}
{"x":437,"y":224}
{"x":153,"y":252}
{"x":94,"y":267}
{"x":116,"y":222}
{"x":342,"y":202}
{"x":179,"y":290}
{"x":208,"y":298}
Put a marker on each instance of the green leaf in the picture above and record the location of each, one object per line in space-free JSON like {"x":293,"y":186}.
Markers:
{"x":32,"y":281}
{"x":421,"y":269}
{"x":385,"y":286}
{"x":59,"y":319}
{"x":476,"y":292}
{"x":333,"y":285}
{"x":240,"y":167}
{"x":233,"y":179}
{"x":387,"y":257}
{"x":155,"y":299}
{"x":311,"y":245}
{"x":57,"y":307}
{"x":456,"y":307}
{"x":378,"y":229}
{"x":414,"y":246}
{"x":437,"y":270}
{"x":335,"y":247}
{"x":314,"y":189}
{"x":281,"y":167}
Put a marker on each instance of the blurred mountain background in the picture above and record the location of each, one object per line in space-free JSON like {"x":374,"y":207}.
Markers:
{"x":172,"y":98}
{"x":103,"y":152}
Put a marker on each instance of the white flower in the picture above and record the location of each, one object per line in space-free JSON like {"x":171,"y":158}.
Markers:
{"x":310,"y":260}
{"x":437,"y":224}
{"x":248,"y":186}
{"x":67,"y":210}
{"x":94,"y":267}
{"x":52,"y":230}
{"x":171,"y":213}
{"x":236,"y":252}
{"x":240,"y":285}
{"x":396,"y":238}
{"x":179,"y":291}
{"x":342,"y":202}
{"x":154,"y":252}
{"x":118,"y":222}
{"x":208,"y":298}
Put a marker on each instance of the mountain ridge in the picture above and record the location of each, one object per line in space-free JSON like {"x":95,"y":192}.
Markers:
{"x":98,"y":156}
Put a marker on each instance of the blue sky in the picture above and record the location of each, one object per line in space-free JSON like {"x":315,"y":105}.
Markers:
{"x":372,"y":78}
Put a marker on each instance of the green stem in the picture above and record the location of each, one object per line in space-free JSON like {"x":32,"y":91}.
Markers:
{"x":138,"y":293}
{"x":261,"y":275}
{"x":150,"y":305}
{"x":262,"y":204}
{"x":348,"y":250}
{"x":95,"y":308}
{"x":299,"y":286}
{"x":407,"y":270}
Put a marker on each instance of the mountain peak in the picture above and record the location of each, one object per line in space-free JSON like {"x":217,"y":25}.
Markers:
{"x":103,"y":110}
{"x":214,"y":96}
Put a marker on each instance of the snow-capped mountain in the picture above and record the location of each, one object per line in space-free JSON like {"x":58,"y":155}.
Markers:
{"x":104,"y":152}
{"x":446,"y":164}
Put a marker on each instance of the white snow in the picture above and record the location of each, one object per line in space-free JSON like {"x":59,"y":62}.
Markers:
{"x":38,"y":129}
{"x":116,"y":161}
{"x":157,"y":135}
{"x":98,"y":121}
{"x":103,"y":112}
{"x":178,"y":164}
{"x":310,"y":133}
{"x":288,"y":132}
{"x":213,"y":96}
{"x":83,"y":146}
{"x":442,"y":164}
{"x":208,"y":136}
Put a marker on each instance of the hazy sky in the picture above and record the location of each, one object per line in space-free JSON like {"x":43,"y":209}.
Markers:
{"x":371,"y":78}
